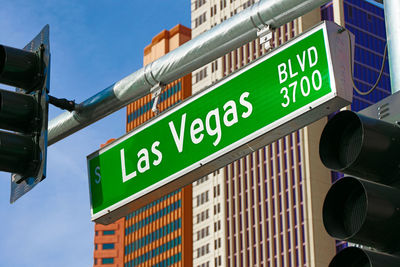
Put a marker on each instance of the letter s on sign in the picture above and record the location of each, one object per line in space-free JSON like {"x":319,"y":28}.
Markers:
{"x":97,"y":172}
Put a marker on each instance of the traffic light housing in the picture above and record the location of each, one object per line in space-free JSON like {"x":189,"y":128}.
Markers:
{"x":24,"y":113}
{"x":363,"y":208}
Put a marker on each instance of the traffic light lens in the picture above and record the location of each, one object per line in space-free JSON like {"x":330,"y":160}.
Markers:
{"x":19,"y":68}
{"x":17,"y":111}
{"x":361,"y":146}
{"x":344,"y":209}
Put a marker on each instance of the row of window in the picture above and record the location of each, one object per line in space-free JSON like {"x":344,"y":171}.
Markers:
{"x":107,"y":232}
{"x":170,"y":261}
{"x":202,"y":180}
{"x":204,"y":264}
{"x":203,"y":250}
{"x":214,"y":66}
{"x":155,"y":252}
{"x":248,"y":4}
{"x":157,"y":234}
{"x":238,"y":171}
{"x":105,"y":246}
{"x":198,"y":3}
{"x":152,"y":204}
{"x":366,"y":39}
{"x":107,"y":261}
{"x":222,"y":4}
{"x":148,"y":106}
{"x":200,"y":75}
{"x":277,"y":221}
{"x":213,"y":10}
{"x":217,"y":226}
{"x":202,"y":216}
{"x":365,"y":19}
{"x":361,"y":102}
{"x":296,"y":252}
{"x":369,"y":76}
{"x":218,"y":261}
{"x":204,"y":232}
{"x":153,"y":217}
{"x":217,"y":208}
{"x":202,"y":198}
{"x":283,"y":203}
{"x":281,"y":176}
{"x":217,"y":243}
{"x":370,"y":57}
{"x":200,"y":20}
{"x":217,"y":190}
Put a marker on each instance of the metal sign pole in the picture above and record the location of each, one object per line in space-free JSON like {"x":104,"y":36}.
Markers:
{"x":392,"y":20}
{"x":214,"y":43}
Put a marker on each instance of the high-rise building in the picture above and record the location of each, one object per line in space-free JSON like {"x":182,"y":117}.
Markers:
{"x":160,"y":233}
{"x":266,"y":208}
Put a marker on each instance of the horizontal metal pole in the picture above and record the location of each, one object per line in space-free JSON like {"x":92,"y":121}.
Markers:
{"x":214,"y":43}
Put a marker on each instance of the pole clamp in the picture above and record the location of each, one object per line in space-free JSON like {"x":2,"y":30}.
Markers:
{"x":155,"y":95}
{"x":265,"y":35}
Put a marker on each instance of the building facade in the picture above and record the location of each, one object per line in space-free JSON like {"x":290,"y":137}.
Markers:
{"x":160,"y":233}
{"x":266,"y":208}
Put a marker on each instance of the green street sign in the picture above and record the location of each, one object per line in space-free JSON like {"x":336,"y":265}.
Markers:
{"x":294,"y":85}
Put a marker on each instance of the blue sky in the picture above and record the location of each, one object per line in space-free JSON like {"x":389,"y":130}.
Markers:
{"x":93,"y":44}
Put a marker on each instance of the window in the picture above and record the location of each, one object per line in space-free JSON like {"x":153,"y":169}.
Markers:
{"x":200,"y":75}
{"x":217,"y":208}
{"x":350,"y":10}
{"x":213,"y":10}
{"x":222,"y":4}
{"x":217,"y":226}
{"x":107,"y":261}
{"x":217,"y":243}
{"x":198,"y":3}
{"x":218,"y":261}
{"x":199,"y":20}
{"x":214,"y":66}
{"x":248,"y":4}
{"x":108,"y":246}
{"x":203,"y":233}
{"x":203,"y":250}
{"x":202,"y":216}
{"x":109,"y":232}
{"x":202,"y":180}
{"x":218,"y":190}
{"x":202,"y":198}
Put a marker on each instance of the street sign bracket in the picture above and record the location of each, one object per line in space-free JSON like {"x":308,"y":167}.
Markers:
{"x":155,"y":95}
{"x":265,"y":35}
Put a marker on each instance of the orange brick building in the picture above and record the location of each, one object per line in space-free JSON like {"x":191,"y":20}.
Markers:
{"x":160,"y":233}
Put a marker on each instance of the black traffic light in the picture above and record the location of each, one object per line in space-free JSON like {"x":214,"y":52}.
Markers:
{"x":24,"y":113}
{"x":364,"y":209}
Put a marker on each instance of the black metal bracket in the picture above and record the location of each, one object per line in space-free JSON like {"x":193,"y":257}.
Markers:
{"x":62,"y":103}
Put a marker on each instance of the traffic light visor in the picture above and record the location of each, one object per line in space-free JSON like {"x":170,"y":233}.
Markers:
{"x":341,"y":141}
